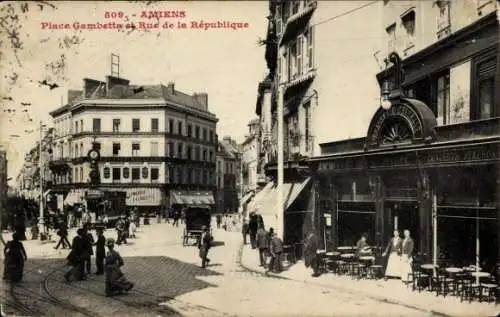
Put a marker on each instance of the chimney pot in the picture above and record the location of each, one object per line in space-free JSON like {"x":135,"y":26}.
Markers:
{"x":171,"y":87}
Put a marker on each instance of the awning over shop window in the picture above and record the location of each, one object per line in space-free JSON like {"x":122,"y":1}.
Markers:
{"x":94,"y":194}
{"x":192,"y":198}
{"x":143,"y":196}
{"x":266,"y":202}
{"x":75,"y":196}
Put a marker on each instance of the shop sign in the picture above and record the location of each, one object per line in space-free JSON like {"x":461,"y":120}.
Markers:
{"x":475,"y":155}
{"x":143,"y":197}
{"x":397,"y":110}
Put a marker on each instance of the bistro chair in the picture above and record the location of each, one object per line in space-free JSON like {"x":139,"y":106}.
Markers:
{"x":442,"y":283}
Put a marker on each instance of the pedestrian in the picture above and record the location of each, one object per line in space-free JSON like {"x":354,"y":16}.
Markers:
{"x":34,"y":230}
{"x":14,"y":259}
{"x":406,"y":257}
{"x":89,"y":242}
{"x":132,"y":227}
{"x":311,"y":253}
{"x":62,"y":232}
{"x":120,"y":228}
{"x":394,"y":249}
{"x":116,"y":282}
{"x":262,"y":245}
{"x":276,"y":249}
{"x":76,"y":257}
{"x":253,"y":227}
{"x":218,"y":219}
{"x":204,"y":244}
{"x":176,"y":215}
{"x":100,"y":251}
{"x":126,"y":227}
{"x":245,"y":230}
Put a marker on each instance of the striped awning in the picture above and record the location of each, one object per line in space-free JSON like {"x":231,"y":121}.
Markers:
{"x":192,"y":198}
{"x":301,"y":79}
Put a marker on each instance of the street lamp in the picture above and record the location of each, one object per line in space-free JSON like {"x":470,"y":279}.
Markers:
{"x":388,"y":93}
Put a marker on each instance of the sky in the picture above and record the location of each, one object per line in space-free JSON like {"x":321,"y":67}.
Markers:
{"x":225,"y":63}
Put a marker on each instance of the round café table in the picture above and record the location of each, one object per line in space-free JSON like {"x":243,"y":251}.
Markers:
{"x":367,"y":258}
{"x":429,"y":266}
{"x":480,"y":274}
{"x":344,"y":248}
{"x":332,"y":254}
{"x":347,"y":256}
{"x":454,"y":270}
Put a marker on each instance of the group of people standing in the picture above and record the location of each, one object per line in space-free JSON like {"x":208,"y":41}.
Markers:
{"x":399,"y":253}
{"x":108,"y":263}
{"x":268,"y":244}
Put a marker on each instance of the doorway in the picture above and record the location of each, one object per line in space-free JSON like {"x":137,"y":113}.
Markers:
{"x":404,"y":215}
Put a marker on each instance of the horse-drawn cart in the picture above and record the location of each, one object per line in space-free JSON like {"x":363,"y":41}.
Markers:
{"x":196,"y":217}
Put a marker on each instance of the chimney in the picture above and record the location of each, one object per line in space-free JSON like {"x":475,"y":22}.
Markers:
{"x":112,"y":81}
{"x":74,"y":95}
{"x":202,"y":98}
{"x":171,"y":88}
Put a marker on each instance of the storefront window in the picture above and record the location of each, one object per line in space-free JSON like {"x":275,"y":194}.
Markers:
{"x":443,"y":99}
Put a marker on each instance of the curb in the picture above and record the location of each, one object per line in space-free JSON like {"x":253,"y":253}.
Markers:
{"x":345,"y":289}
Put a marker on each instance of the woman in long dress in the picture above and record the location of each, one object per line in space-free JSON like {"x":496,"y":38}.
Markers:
{"x":14,"y":258}
{"x":116,"y":283}
{"x":394,"y":250}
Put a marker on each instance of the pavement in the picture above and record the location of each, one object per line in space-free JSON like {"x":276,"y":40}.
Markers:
{"x":390,"y":291}
{"x":169,"y":275}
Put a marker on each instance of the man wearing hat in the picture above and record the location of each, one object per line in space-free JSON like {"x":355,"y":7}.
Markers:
{"x":100,"y":251}
{"x":204,"y":245}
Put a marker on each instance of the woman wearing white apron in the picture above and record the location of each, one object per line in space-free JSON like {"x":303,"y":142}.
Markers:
{"x":394,"y":249}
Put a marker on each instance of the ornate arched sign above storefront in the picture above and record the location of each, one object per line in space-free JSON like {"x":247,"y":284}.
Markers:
{"x":407,"y":121}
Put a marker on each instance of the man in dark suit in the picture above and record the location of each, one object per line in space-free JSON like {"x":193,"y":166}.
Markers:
{"x":407,"y":256}
{"x":204,"y":244}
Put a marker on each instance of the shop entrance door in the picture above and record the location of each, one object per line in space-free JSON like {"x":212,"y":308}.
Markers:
{"x":405,"y":217}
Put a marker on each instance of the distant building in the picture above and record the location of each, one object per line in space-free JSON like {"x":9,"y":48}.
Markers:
{"x":228,"y":174}
{"x":156,"y":144}
{"x":28,"y":179}
{"x":250,"y":157}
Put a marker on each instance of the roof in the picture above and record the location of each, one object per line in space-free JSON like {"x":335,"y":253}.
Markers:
{"x":133,"y":93}
{"x":248,"y":139}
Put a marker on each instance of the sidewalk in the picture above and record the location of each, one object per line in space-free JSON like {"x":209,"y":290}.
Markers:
{"x":392,"y":291}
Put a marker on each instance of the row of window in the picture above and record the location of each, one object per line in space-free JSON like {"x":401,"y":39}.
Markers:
{"x":196,"y":153}
{"x":185,"y":175}
{"x":298,"y":56}
{"x":133,"y":173}
{"x":435,"y":91}
{"x":173,"y":128}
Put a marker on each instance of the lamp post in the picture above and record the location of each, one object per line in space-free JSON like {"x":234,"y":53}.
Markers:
{"x":41,"y":220}
{"x":279,"y":199}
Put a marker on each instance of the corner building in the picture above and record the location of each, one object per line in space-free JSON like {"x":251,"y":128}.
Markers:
{"x":157,"y":145}
{"x":434,"y":151}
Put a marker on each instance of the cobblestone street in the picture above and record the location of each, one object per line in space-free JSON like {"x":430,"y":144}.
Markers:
{"x":170,"y":282}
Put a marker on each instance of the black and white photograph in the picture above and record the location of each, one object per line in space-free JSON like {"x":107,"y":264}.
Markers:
{"x":265,"y":158}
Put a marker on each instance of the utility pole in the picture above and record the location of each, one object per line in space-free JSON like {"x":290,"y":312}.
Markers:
{"x":40,"y":168}
{"x":279,"y":189}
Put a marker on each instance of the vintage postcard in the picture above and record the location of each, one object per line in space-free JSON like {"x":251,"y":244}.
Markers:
{"x":250,"y":158}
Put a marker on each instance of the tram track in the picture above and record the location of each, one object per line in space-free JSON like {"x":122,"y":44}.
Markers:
{"x":59,"y":301}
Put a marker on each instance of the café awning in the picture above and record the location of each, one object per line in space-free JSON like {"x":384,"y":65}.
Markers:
{"x":192,"y":198}
{"x":75,"y":196}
